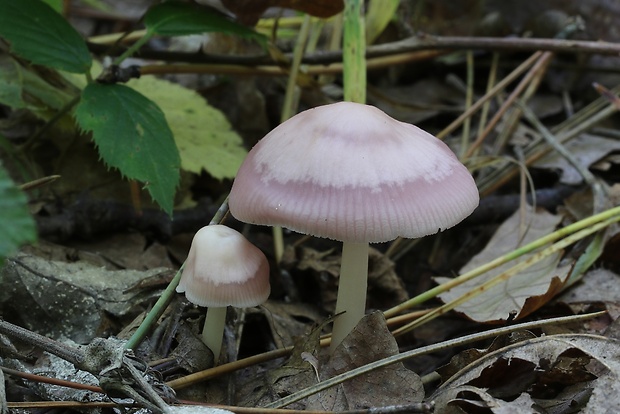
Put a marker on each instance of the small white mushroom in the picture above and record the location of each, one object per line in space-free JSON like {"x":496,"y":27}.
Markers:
{"x":223,"y":268}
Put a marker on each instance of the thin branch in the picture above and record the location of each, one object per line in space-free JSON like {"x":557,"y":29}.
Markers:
{"x":407,"y":45}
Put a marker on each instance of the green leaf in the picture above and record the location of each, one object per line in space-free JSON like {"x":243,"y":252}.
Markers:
{"x":174,"y":18}
{"x":203,"y":134}
{"x":378,"y":16}
{"x":10,"y":83}
{"x":15,"y":221}
{"x":23,"y":88}
{"x":131,"y":134}
{"x":55,"y":4}
{"x":37,"y":33}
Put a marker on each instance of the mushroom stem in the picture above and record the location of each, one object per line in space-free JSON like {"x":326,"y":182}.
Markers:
{"x":351,"y":290}
{"x":213,"y":330}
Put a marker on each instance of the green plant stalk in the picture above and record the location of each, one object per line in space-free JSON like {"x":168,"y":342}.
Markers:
{"x":550,"y":238}
{"x":464,"y":340}
{"x":155,"y":313}
{"x":134,"y":48}
{"x":516,"y":269}
{"x":354,"y":52}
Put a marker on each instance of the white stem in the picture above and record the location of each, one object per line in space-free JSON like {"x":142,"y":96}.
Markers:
{"x":351,"y":290}
{"x":213,"y":331}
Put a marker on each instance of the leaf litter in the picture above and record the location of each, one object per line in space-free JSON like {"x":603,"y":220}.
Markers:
{"x":524,"y":292}
{"x":542,"y":368}
{"x":549,"y":361}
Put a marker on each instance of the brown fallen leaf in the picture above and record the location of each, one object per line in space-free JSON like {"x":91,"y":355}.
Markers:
{"x":297,"y":373}
{"x":524,"y":292}
{"x":553,"y":370}
{"x":462,"y":359}
{"x":289,"y":320}
{"x":370,"y":341}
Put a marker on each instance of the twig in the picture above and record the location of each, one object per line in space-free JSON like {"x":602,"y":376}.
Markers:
{"x":53,"y":381}
{"x":490,"y":94}
{"x":411,"y":44}
{"x":538,"y":66}
{"x":68,"y":353}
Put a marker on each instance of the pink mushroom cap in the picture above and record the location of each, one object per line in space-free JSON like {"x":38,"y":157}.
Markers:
{"x":223,"y":268}
{"x":350,"y":172}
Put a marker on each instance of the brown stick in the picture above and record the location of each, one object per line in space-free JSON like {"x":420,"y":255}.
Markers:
{"x":410,"y":44}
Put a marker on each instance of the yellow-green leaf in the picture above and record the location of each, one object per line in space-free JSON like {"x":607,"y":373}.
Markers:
{"x":204,"y":136}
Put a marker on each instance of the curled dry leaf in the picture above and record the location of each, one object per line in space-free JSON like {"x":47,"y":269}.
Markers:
{"x":524,"y":292}
{"x":392,"y":385}
{"x":460,"y":360}
{"x":553,"y":371}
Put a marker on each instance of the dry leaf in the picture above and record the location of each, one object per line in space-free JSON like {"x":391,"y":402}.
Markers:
{"x":289,"y":320}
{"x":586,"y":148}
{"x":524,"y":292}
{"x":370,"y":341}
{"x":60,"y":299}
{"x":296,"y":374}
{"x":545,"y":368}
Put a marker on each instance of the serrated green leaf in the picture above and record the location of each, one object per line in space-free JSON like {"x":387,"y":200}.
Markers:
{"x":131,"y":134}
{"x":174,"y":18}
{"x":37,"y":33}
{"x":15,"y":221}
{"x":203,"y":134}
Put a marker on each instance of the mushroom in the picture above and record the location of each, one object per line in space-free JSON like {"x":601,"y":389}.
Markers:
{"x":223,"y":268}
{"x":349,"y":172}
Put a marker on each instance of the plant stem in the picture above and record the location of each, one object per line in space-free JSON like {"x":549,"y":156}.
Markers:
{"x":134,"y":48}
{"x":351,"y":290}
{"x":213,"y":330}
{"x":354,"y":52}
{"x":154,"y":314}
